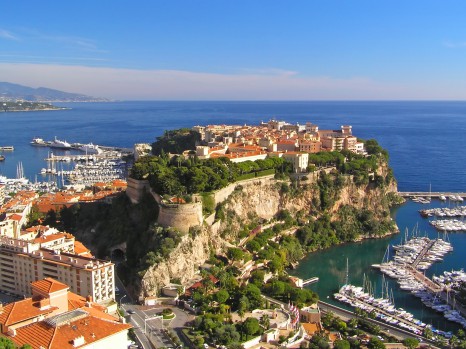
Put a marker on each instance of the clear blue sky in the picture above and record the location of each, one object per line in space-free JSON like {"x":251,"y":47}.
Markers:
{"x":214,"y":49}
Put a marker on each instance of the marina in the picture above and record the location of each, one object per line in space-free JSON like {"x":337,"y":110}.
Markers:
{"x":78,"y":165}
{"x":87,"y":148}
{"x":433,"y":195}
{"x":458,"y":211}
{"x":384,"y":310}
{"x":413,"y":256}
{"x":97,"y":164}
{"x":450,"y":225}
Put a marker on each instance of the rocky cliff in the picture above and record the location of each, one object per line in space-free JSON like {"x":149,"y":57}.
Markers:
{"x":258,"y":200}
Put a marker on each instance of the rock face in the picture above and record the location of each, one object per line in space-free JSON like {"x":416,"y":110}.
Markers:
{"x":184,"y":260}
{"x":261,"y":198}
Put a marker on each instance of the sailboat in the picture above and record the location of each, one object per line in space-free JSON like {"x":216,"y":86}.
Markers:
{"x":20,"y":174}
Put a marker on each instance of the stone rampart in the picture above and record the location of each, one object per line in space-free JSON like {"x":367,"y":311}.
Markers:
{"x":182,"y":216}
{"x":136,"y":189}
{"x":222,"y":194}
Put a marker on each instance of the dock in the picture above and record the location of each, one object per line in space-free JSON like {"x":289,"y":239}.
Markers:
{"x":82,"y":157}
{"x":433,"y":195}
{"x":385,"y":313}
{"x":310,"y":280}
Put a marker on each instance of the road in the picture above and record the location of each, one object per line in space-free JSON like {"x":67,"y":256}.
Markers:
{"x":148,"y":325}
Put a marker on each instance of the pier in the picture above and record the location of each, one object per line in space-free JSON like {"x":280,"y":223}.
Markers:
{"x":81,"y":157}
{"x":310,"y":280}
{"x":424,"y":280}
{"x":381,"y":310}
{"x":435,"y":195}
{"x":422,"y":254}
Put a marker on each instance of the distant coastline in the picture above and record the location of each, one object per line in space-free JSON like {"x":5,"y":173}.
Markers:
{"x":9,"y":106}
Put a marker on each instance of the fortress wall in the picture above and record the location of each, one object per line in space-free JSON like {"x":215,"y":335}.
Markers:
{"x":136,"y":189}
{"x":222,"y":194}
{"x":181,"y":217}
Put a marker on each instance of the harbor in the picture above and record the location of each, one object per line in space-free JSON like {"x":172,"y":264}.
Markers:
{"x":433,"y":195}
{"x":88,"y":148}
{"x":77,"y":165}
{"x":362,"y":255}
{"x":414,"y":255}
{"x":92,"y":164}
{"x":383,"y":309}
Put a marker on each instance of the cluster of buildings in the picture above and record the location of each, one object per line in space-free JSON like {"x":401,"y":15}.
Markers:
{"x":293,"y":142}
{"x":67,"y":294}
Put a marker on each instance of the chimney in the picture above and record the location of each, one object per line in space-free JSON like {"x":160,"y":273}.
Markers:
{"x":89,"y":298}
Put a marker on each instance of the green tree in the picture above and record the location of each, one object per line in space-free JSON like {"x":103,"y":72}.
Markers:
{"x":257,"y":277}
{"x":341,"y":344}
{"x":410,"y":343}
{"x":265,"y":321}
{"x":428,"y":333}
{"x":375,"y":343}
{"x":235,"y":254}
{"x":251,"y":326}
{"x":6,"y":343}
{"x":222,"y":296}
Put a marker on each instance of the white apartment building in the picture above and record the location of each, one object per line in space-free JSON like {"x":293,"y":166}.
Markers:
{"x":22,"y":262}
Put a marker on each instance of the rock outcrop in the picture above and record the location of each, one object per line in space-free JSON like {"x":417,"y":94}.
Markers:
{"x":252,"y":200}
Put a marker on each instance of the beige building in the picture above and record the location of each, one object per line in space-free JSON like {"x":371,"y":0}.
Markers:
{"x":299,"y":160}
{"x":23,"y":262}
{"x":310,"y":146}
{"x":2,"y":194}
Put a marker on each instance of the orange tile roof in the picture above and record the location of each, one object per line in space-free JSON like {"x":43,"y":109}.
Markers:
{"x":76,"y":301}
{"x":80,"y":249}
{"x":15,"y":217}
{"x":51,"y":237}
{"x":119,"y":183}
{"x":49,"y":285}
{"x":92,"y":328}
{"x":23,"y":310}
{"x":38,"y":228}
{"x":311,"y":328}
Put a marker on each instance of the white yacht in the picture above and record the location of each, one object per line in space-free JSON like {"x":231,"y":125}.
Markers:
{"x":90,"y":149}
{"x":56,"y":143}
{"x":38,"y":142}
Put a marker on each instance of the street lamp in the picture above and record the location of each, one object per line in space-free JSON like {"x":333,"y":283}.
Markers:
{"x":121,"y":299}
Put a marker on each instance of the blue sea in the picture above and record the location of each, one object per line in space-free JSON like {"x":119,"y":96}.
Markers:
{"x":424,"y":139}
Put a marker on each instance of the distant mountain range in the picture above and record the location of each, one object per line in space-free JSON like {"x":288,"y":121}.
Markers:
{"x":9,"y":92}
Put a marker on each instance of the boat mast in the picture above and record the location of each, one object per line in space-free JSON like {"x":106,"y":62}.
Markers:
{"x":347,"y":273}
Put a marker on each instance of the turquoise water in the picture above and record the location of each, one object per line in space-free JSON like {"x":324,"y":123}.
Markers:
{"x":330,"y":265}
